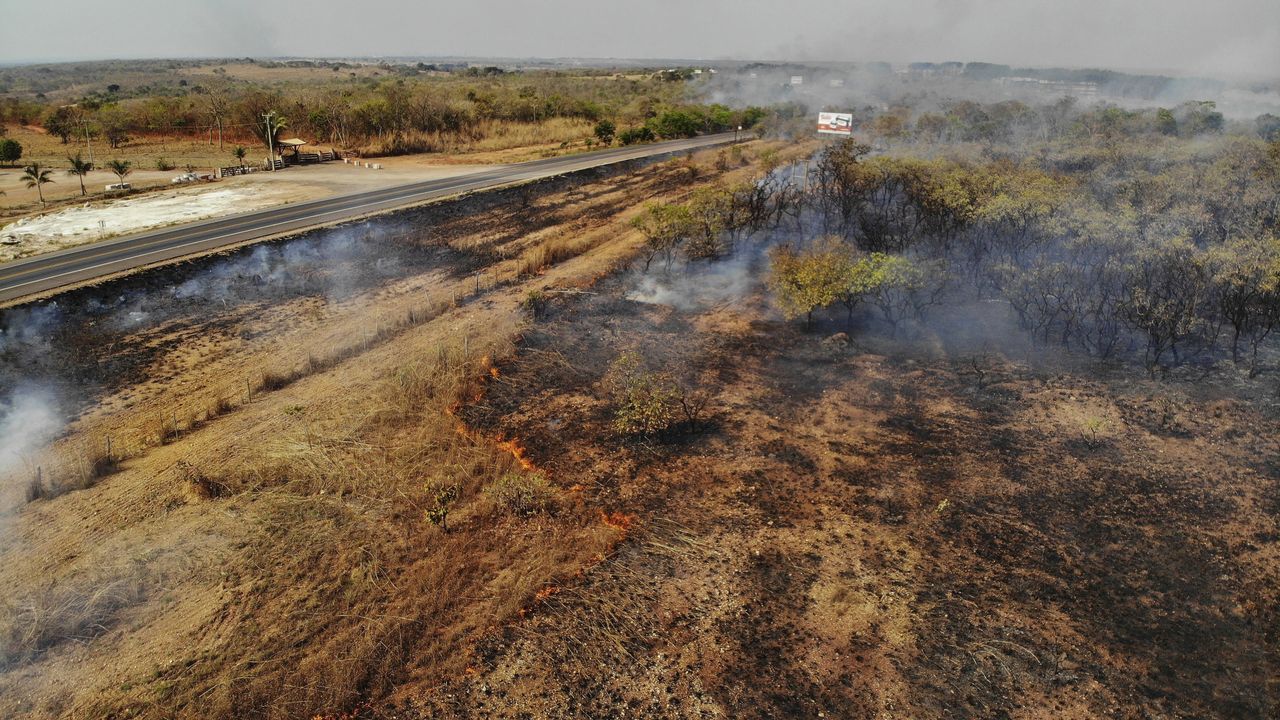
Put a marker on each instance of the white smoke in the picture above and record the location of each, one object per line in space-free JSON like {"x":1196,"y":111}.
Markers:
{"x":696,"y":286}
{"x":28,"y":420}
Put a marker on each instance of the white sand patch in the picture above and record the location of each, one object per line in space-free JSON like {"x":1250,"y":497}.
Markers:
{"x":93,"y":221}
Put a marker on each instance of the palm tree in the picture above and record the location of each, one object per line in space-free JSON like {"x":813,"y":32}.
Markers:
{"x":120,"y":168}
{"x":274,"y":124}
{"x":35,"y":177}
{"x":240,"y":152}
{"x":79,"y":168}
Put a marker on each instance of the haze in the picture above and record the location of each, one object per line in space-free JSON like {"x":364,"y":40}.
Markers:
{"x":1230,"y":38}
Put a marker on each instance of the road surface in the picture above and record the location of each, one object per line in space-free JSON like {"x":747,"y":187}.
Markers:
{"x":50,"y":271}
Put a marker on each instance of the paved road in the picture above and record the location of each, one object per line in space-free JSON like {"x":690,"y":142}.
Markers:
{"x":87,"y":262}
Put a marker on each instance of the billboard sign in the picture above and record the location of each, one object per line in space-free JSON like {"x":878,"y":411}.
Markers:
{"x":832,"y":123}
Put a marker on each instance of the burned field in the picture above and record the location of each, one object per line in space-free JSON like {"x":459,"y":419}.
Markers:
{"x":694,"y":440}
{"x":880,"y":529}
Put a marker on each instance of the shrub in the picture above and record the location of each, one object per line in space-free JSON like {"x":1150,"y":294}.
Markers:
{"x":646,"y":402}
{"x":521,"y":493}
{"x":442,"y":498}
{"x":605,"y":130}
{"x":10,"y":151}
{"x":164,"y":164}
{"x":535,"y":303}
{"x":631,"y":136}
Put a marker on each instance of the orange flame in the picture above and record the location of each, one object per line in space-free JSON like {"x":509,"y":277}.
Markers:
{"x":545,"y":593}
{"x":619,"y":521}
{"x":517,"y":451}
{"x":494,"y":373}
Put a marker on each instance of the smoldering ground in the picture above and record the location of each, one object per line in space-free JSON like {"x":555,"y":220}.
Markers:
{"x":59,"y":355}
{"x":1044,"y":281}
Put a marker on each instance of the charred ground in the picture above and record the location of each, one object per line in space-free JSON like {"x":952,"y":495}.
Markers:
{"x":879,"y":530}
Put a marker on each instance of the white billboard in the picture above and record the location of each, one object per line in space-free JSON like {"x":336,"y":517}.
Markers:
{"x":833,"y":123}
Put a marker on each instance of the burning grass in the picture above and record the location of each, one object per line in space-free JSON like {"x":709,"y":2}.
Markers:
{"x":309,"y":502}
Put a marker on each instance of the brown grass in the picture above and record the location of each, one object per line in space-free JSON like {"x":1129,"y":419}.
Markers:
{"x":484,"y":136}
{"x":319,"y":580}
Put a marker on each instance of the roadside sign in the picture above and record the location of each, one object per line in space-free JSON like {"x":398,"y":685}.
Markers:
{"x":832,"y":123}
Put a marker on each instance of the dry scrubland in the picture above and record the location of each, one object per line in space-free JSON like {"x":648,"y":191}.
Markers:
{"x":259,"y":542}
{"x":196,"y":113}
{"x":980,"y":422}
{"x":972,"y":428}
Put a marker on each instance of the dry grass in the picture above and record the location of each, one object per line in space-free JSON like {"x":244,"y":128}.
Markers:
{"x":484,"y":136}
{"x":143,"y":151}
{"x":347,"y":534}
{"x":32,"y":622}
{"x":319,"y":468}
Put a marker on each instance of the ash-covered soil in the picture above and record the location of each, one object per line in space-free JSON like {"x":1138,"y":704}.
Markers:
{"x":875,"y":530}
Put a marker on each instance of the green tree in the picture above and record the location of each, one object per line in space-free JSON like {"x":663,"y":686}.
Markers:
{"x":240,"y":152}
{"x":37,"y":177}
{"x":605,"y":130}
{"x":270,"y":128}
{"x":61,"y":122}
{"x":676,"y":124}
{"x":115,"y":125}
{"x":121,"y":168}
{"x":900,"y":287}
{"x":443,"y":496}
{"x":1246,"y":289}
{"x":1166,"y":291}
{"x":804,"y":281}
{"x":664,"y":227}
{"x":631,"y":136}
{"x":10,"y":151}
{"x":712,"y":213}
{"x":646,"y":403}
{"x":79,"y":167}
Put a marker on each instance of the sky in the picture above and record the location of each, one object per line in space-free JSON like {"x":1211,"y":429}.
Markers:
{"x":1223,"y":38}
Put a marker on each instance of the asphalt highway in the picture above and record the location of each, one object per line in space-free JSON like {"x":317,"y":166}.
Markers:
{"x":47,"y":272}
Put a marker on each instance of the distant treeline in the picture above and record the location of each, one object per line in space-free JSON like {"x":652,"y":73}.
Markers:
{"x":415,"y":108}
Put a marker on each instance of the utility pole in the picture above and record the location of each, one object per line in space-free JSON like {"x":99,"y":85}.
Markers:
{"x":85,"y":126}
{"x":271,"y":147}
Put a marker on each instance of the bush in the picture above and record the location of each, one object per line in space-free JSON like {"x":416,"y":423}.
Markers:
{"x":605,"y":130}
{"x":164,"y":164}
{"x":631,"y":136}
{"x":10,"y":151}
{"x":535,"y":303}
{"x":443,"y":495}
{"x":677,"y":124}
{"x":646,"y":402}
{"x":521,"y":493}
